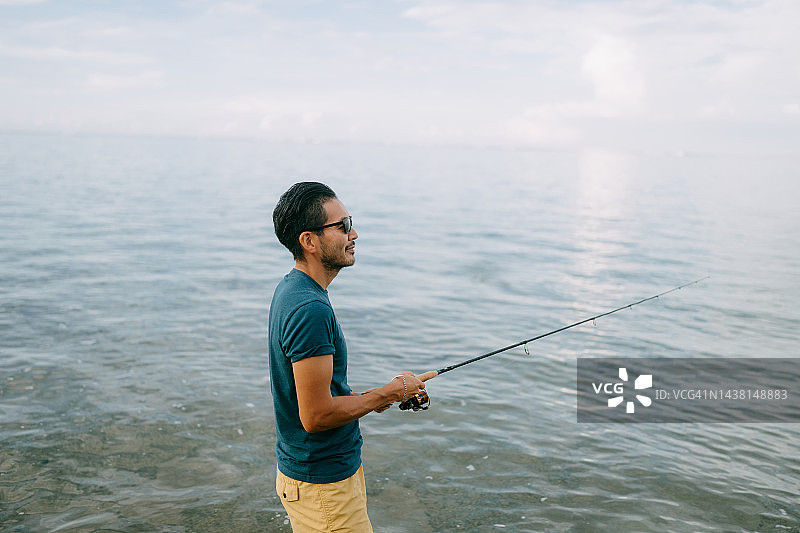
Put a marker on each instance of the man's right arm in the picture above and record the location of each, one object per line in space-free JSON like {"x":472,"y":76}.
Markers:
{"x":320,"y":410}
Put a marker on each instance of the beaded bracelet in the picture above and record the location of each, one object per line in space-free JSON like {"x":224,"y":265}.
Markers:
{"x":405,"y":389}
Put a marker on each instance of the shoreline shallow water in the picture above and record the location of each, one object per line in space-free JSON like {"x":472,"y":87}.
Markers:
{"x":136,"y":282}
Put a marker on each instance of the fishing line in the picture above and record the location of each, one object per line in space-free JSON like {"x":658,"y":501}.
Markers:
{"x":417,"y":403}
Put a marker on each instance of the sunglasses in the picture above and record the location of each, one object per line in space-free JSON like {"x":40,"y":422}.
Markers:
{"x":346,"y":223}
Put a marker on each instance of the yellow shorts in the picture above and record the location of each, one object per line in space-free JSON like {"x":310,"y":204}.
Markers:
{"x":339,"y":507}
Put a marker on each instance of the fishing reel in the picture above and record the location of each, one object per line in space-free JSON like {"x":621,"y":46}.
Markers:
{"x":419,"y":402}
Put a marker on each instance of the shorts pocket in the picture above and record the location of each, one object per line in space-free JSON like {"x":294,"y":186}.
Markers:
{"x":288,"y":492}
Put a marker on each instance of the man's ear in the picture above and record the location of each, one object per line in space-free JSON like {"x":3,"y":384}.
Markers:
{"x":307,"y":242}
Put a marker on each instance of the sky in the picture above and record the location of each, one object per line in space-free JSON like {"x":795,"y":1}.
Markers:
{"x":719,"y":76}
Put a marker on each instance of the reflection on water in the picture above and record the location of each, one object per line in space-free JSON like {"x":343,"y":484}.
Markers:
{"x":136,"y":278}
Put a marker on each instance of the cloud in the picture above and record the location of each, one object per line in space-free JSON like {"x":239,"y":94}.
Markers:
{"x":618,"y":90}
{"x":233,"y":8}
{"x":614,"y":61}
{"x":58,"y":53}
{"x":619,"y":85}
{"x":20,"y":2}
{"x":110,"y":82}
{"x":432,"y":71}
{"x":543,"y":126}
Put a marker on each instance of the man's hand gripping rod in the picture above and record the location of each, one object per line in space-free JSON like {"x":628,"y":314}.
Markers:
{"x":421,"y":401}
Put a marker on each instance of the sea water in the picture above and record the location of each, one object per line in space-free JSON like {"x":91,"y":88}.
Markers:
{"x":135,"y":281}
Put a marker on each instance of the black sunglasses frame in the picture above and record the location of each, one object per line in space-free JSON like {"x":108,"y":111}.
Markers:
{"x":344,"y":223}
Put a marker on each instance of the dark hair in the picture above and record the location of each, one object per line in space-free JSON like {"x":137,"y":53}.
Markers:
{"x":299,"y":209}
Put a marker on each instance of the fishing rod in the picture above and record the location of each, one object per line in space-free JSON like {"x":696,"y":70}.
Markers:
{"x":421,"y":401}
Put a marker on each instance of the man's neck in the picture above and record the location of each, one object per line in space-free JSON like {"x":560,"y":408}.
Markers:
{"x":317,"y":272}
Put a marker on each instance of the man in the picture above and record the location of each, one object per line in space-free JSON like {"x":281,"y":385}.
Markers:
{"x":320,"y":479}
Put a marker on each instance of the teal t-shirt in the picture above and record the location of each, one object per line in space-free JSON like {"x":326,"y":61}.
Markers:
{"x":302,"y":324}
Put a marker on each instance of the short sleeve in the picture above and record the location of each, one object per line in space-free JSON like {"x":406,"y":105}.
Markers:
{"x":309,"y":332}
